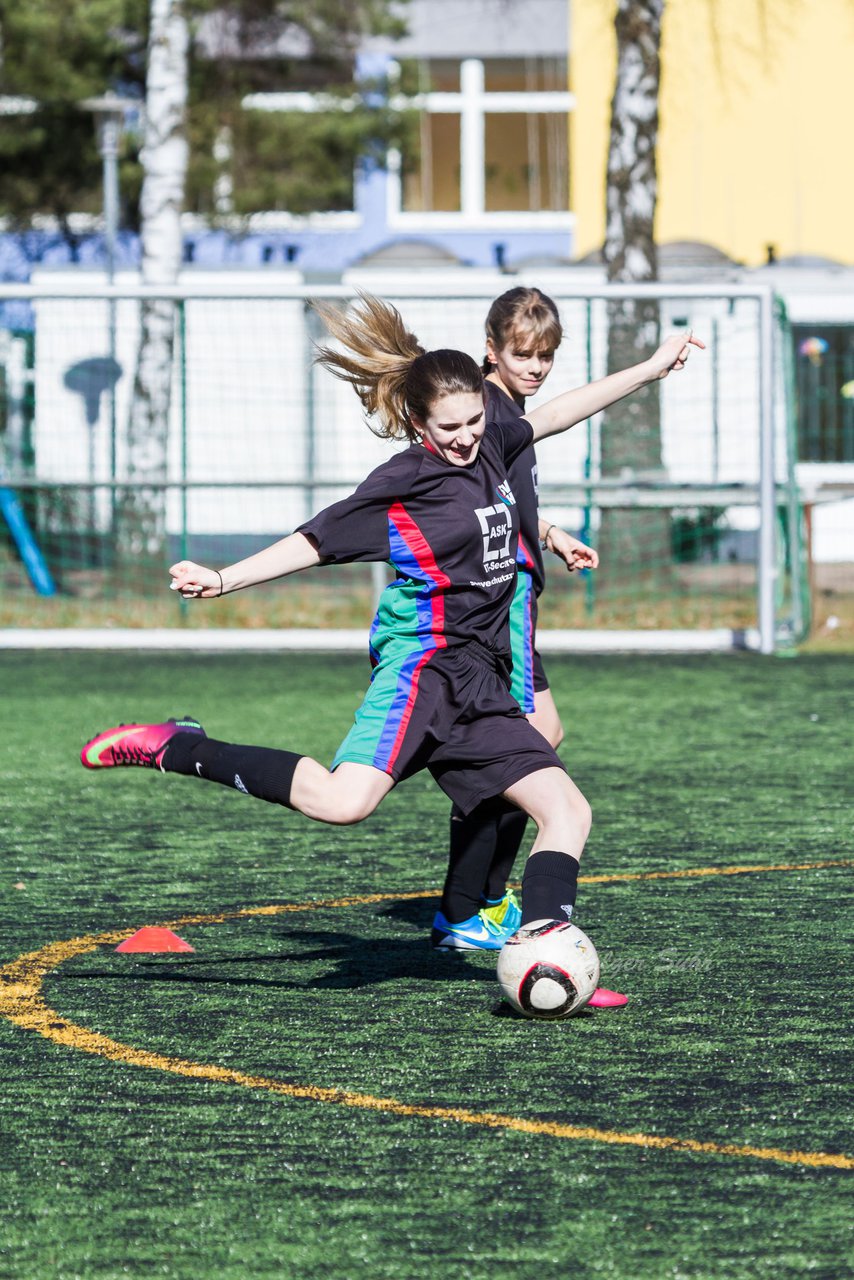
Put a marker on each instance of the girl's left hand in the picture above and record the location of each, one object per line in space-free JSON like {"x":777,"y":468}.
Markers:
{"x":574,"y":553}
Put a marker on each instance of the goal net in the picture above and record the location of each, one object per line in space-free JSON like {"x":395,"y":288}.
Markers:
{"x":138,"y":429}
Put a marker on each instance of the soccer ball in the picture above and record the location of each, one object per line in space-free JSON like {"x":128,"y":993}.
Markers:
{"x":548,"y":969}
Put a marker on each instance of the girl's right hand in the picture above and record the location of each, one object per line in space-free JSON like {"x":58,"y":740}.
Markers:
{"x":194,"y":582}
{"x":673,"y":353}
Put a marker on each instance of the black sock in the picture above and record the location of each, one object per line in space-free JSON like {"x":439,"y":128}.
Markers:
{"x":256,"y":771}
{"x":549,"y":886}
{"x":472,"y":845}
{"x":510,"y":832}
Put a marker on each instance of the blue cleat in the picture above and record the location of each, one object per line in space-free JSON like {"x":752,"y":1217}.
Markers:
{"x":506,"y":912}
{"x":478,"y":933}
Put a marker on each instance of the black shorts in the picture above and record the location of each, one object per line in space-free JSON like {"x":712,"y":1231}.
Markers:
{"x":454,"y":715}
{"x":541,"y":680}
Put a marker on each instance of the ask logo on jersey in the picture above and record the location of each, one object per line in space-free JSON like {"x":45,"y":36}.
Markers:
{"x":496,"y":524}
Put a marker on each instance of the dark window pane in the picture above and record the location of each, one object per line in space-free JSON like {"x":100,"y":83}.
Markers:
{"x":824,"y":385}
{"x":525,"y":75}
{"x":423,"y":75}
{"x":526,"y":162}
{"x":431,"y":180}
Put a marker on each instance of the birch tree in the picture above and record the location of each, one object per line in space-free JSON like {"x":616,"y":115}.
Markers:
{"x":631,"y":436}
{"x":142,"y":514}
{"x":332,"y":31}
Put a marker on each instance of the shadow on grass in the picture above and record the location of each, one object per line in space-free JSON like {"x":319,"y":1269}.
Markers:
{"x":356,"y":962}
{"x":415,"y":911}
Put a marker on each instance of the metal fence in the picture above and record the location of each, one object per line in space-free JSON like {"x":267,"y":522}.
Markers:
{"x":119,"y":454}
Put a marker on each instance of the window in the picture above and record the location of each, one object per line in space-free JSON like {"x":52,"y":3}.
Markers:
{"x":481,"y":143}
{"x":432,"y":177}
{"x":525,"y":162}
{"x":492,"y":136}
{"x":824,"y":386}
{"x":525,"y":75}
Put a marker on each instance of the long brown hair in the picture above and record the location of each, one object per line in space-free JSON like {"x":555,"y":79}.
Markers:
{"x":391,"y":373}
{"x":524,"y":314}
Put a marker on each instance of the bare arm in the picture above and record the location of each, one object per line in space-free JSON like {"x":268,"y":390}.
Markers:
{"x":289,"y":555}
{"x":576,"y":406}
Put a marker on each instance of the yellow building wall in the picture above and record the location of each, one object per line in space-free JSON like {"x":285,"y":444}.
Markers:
{"x":756,"y":142}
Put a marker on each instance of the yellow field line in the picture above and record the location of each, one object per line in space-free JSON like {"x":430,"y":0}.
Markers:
{"x":694,"y":872}
{"x":21,"y":1001}
{"x":366,"y":899}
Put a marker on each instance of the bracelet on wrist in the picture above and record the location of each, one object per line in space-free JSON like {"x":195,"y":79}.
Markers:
{"x":221,"y":587}
{"x":544,"y":540}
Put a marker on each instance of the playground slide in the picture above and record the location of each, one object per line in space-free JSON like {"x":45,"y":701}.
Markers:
{"x":22,"y":536}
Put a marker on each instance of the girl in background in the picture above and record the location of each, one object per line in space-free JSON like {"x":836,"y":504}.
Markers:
{"x":523,"y":331}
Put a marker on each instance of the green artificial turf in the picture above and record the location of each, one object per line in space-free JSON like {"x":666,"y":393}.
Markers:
{"x":736,"y":1033}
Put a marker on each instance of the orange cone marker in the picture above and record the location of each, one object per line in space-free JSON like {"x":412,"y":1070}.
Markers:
{"x":152,"y":939}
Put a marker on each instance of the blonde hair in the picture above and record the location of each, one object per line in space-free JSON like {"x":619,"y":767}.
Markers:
{"x":393,"y":376}
{"x":525,"y":315}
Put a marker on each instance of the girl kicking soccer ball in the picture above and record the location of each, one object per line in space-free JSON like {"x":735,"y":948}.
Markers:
{"x":444,"y":513}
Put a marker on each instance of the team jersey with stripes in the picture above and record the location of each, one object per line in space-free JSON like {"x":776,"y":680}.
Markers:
{"x":451,"y":534}
{"x":522,"y":474}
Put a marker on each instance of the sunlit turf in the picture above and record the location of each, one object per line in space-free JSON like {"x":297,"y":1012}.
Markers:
{"x":735,"y":1034}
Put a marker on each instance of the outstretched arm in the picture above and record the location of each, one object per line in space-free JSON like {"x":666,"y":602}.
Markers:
{"x":576,"y":406}
{"x":289,"y":555}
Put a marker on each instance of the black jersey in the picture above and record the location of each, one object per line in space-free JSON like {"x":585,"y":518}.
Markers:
{"x":522,"y":474}
{"x":451,"y":533}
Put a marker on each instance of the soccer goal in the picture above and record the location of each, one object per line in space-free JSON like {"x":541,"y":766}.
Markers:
{"x":144,"y":425}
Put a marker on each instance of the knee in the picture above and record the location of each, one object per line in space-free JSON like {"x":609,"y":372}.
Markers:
{"x":565,"y":810}
{"x":583,"y":813}
{"x":348,"y":810}
{"x":348,"y":795}
{"x":578,"y":813}
{"x":546,"y":720}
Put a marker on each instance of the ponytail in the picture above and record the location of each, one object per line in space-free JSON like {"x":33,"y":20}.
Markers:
{"x":391,"y":373}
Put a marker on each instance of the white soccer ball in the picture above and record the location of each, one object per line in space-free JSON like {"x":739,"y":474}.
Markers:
{"x":548,"y":969}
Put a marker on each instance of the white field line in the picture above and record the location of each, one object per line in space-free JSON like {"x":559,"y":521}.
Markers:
{"x":219,"y":640}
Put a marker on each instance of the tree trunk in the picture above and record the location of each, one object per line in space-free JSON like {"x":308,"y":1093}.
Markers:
{"x":142,"y":516}
{"x":633,"y":543}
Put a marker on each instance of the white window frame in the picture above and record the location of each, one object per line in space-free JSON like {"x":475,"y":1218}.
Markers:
{"x":472,"y":104}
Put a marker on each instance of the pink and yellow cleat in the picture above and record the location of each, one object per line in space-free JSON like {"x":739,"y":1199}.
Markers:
{"x":135,"y":744}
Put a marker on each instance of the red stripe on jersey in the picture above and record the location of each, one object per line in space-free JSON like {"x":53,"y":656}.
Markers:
{"x":422,"y":552}
{"x":523,"y":556}
{"x":426,"y":561}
